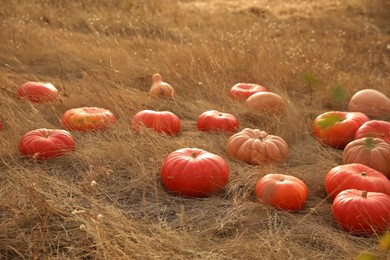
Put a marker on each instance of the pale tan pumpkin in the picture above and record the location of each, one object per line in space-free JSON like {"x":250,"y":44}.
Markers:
{"x":254,"y":146}
{"x":266,"y":102}
{"x":372,"y":152}
{"x":160,"y":88}
{"x":370,"y":102}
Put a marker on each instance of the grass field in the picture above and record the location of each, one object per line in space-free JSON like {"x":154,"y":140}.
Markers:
{"x":106,"y":200}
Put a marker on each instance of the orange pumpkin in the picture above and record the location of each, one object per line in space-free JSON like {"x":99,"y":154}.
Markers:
{"x":372,"y":152}
{"x":160,"y":88}
{"x":282,"y":191}
{"x":87,"y":119}
{"x":37,"y":92}
{"x":266,"y":102}
{"x":254,"y":146}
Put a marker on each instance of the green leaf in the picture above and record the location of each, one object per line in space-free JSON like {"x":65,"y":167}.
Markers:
{"x":312,"y":80}
{"x":339,"y":93}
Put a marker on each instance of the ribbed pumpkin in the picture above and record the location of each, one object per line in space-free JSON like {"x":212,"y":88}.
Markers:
{"x":254,"y":146}
{"x":372,"y":152}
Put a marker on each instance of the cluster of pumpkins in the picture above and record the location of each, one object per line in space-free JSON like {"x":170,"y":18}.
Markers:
{"x":359,"y":189}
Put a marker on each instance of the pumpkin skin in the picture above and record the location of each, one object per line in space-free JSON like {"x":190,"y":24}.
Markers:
{"x":254,"y":146}
{"x":355,"y":176}
{"x":193,"y":172}
{"x":282,"y":191}
{"x":37,"y":92}
{"x":241,"y":91}
{"x":160,"y":121}
{"x":374,"y":128}
{"x":85,"y":119}
{"x":337,"y":128}
{"x":214,"y":120}
{"x":45,"y":143}
{"x":160,"y":88}
{"x":370,"y":102}
{"x":266,"y":102}
{"x":362,"y":213}
{"x":373,"y":152}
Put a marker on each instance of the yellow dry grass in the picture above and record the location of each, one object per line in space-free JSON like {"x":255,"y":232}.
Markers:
{"x":105,"y":200}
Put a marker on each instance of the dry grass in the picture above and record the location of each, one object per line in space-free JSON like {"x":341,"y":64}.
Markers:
{"x":103,"y":54}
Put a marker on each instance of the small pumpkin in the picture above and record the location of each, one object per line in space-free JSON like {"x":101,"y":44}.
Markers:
{"x":372,"y":152}
{"x":45,"y":143}
{"x":282,"y":191}
{"x":37,"y":92}
{"x":337,"y":128}
{"x":355,"y":176}
{"x":370,"y":102}
{"x":374,"y":128}
{"x":254,"y":146}
{"x":214,"y":120}
{"x":86,"y":119}
{"x":160,"y":121}
{"x":193,"y":172}
{"x":266,"y":102}
{"x":241,"y":91}
{"x":362,"y":213}
{"x":160,"y":88}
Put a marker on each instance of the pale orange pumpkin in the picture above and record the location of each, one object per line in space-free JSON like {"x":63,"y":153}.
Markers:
{"x":266,"y":102}
{"x":254,"y":146}
{"x":160,"y":88}
{"x":370,"y":102}
{"x":372,"y":152}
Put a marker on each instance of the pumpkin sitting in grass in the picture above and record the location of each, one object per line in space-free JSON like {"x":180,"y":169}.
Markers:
{"x":193,"y":172}
{"x":371,"y":102}
{"x":355,"y":176}
{"x":37,"y":92}
{"x":45,"y":143}
{"x":362,"y":213}
{"x":282,"y":191}
{"x":373,"y":152}
{"x":254,"y":146}
{"x":160,"y":88}
{"x":85,"y":119}
{"x":215,"y":121}
{"x":160,"y":121}
{"x":266,"y":102}
{"x":242,"y":91}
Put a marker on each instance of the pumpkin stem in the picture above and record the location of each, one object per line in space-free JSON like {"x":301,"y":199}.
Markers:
{"x":370,"y":142}
{"x":364,"y":174}
{"x":364,"y":194}
{"x":194,"y":154}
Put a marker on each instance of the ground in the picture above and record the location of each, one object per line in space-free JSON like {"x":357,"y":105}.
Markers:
{"x":106,"y":199}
